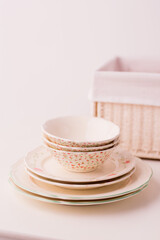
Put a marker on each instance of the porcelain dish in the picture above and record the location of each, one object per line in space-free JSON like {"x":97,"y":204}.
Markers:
{"x":41,"y":162}
{"x":78,"y":149}
{"x":81,"y":185}
{"x":80,"y":161}
{"x":78,"y":131}
{"x":137,"y":180}
{"x":76,"y":202}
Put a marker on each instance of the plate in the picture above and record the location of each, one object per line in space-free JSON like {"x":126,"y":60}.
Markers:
{"x":76,"y":203}
{"x":42,"y":162}
{"x":140,"y":178}
{"x":81,"y":185}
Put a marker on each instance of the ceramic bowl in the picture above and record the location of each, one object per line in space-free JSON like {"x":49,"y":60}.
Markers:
{"x":78,"y":149}
{"x":78,"y":131}
{"x":81,"y":161}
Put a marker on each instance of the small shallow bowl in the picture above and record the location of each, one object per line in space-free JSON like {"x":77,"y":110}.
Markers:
{"x":74,"y":131}
{"x":78,"y":149}
{"x":81,"y":161}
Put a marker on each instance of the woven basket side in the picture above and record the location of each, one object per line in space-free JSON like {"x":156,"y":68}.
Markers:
{"x":140,"y":126}
{"x":94,"y":109}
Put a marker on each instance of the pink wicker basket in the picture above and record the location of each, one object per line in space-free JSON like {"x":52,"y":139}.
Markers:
{"x":127,"y":92}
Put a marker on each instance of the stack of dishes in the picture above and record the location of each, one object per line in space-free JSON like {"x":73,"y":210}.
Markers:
{"x":50,"y":174}
{"x":80,"y":144}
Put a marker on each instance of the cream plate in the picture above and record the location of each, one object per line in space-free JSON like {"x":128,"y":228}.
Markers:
{"x":141,"y":177}
{"x":42,"y":162}
{"x":76,"y":203}
{"x":82,"y":186}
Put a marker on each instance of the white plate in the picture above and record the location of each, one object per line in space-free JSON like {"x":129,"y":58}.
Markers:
{"x":141,"y":177}
{"x":81,"y":186}
{"x":77,"y":203}
{"x":42,"y":162}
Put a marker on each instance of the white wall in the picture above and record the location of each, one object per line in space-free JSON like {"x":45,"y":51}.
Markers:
{"x":49,"y":51}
